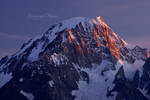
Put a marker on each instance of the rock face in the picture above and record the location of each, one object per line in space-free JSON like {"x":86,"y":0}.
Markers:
{"x":77,"y":59}
{"x":144,"y":83}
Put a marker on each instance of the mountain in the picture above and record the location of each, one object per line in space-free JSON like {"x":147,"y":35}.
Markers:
{"x":77,"y":59}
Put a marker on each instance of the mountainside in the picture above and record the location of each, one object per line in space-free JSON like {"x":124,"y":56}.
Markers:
{"x":77,"y":59}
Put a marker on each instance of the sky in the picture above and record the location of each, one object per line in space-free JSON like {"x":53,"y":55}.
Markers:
{"x":21,"y":20}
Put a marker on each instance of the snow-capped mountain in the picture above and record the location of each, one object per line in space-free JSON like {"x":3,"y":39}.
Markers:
{"x":77,"y":59}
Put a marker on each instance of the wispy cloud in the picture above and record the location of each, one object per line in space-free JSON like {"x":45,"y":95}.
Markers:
{"x":42,"y":16}
{"x":14,"y":36}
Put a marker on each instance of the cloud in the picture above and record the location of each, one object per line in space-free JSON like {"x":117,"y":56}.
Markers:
{"x":39,"y":17}
{"x":14,"y":36}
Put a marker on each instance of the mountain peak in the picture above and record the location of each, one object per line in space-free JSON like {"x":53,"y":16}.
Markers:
{"x":98,"y":20}
{"x":84,"y":33}
{"x":77,"y":54}
{"x":80,"y":31}
{"x":73,"y":22}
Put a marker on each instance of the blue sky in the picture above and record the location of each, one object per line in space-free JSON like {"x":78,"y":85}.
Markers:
{"x":21,"y":20}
